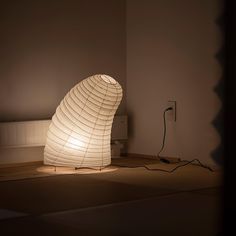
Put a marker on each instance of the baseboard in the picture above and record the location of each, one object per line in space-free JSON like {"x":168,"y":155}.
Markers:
{"x":140,"y":155}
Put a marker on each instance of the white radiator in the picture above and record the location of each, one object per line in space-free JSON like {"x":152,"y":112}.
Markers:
{"x":23,"y":133}
{"x":33,"y":133}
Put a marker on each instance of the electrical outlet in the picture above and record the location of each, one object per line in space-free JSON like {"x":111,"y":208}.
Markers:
{"x":171,"y":115}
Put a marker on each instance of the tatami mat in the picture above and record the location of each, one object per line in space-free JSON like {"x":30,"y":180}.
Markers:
{"x":185,"y":213}
{"x":127,"y":200}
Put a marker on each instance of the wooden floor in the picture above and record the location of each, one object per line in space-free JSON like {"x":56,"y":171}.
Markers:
{"x":36,"y":200}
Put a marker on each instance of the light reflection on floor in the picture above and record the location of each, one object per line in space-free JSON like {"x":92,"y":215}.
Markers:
{"x":70,"y":170}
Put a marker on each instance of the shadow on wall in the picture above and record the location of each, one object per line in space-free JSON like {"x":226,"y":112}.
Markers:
{"x":130,"y":128}
{"x":218,"y":122}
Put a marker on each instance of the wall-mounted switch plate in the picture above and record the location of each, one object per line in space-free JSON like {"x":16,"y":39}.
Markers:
{"x":171,"y":115}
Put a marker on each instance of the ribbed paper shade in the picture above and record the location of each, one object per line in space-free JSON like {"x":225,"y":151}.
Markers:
{"x":80,"y":132}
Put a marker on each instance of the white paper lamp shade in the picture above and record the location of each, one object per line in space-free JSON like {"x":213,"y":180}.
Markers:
{"x":80,"y":132}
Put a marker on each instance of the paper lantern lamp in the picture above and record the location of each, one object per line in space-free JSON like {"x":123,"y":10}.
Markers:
{"x":80,"y":132}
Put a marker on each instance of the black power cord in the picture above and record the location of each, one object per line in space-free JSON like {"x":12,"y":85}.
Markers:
{"x":164,"y":136}
{"x":163,"y":145}
{"x":184,"y":162}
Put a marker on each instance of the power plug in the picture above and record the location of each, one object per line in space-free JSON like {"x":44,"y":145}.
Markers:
{"x":171,"y":114}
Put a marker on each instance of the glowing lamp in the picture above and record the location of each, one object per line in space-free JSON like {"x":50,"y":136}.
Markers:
{"x":80,"y":132}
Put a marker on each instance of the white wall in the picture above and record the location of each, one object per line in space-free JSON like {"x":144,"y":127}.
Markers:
{"x":46,"y":47}
{"x":171,"y":47}
{"x":49,"y":46}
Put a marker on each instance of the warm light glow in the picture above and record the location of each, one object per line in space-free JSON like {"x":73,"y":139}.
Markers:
{"x":74,"y":143}
{"x":80,"y":132}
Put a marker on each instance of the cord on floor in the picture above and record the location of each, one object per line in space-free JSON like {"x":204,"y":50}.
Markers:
{"x":168,"y":171}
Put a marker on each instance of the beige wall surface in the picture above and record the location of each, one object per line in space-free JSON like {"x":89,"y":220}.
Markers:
{"x":171,"y":48}
{"x":165,"y":48}
{"x":46,"y":47}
